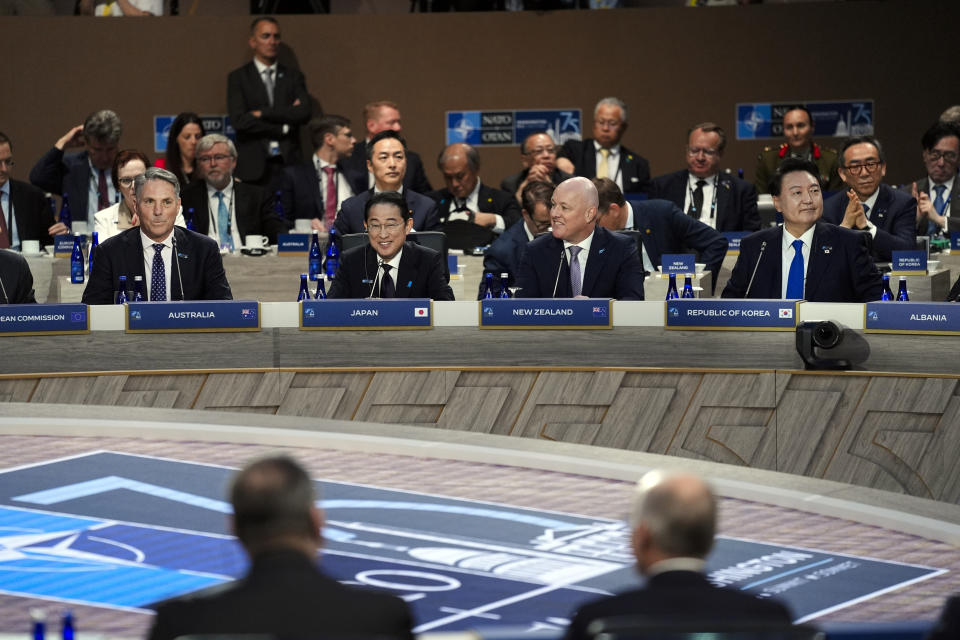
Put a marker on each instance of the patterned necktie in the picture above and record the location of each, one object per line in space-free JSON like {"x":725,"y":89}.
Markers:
{"x":330,"y":200}
{"x":866,"y":211}
{"x":387,"y":289}
{"x":268,"y":83}
{"x":696,"y":202}
{"x":940,"y":205}
{"x":4,"y":229}
{"x":576,"y":279}
{"x":603,"y":171}
{"x":223,"y":224}
{"x":795,"y":276}
{"x":158,"y":278}
{"x":103,"y":194}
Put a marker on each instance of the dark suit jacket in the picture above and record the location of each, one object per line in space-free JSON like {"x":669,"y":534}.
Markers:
{"x":489,"y":200}
{"x":953,"y":222}
{"x":16,"y":278}
{"x":420,"y":274}
{"x":613,"y":268}
{"x":245,"y":93}
{"x":254,"y":209}
{"x":355,"y":169}
{"x":198,"y":268}
{"x":61,"y":173}
{"x":839,"y":269}
{"x":302,"y":195}
{"x":505,"y":252}
{"x":284,"y":594}
{"x":894,"y":214}
{"x":947,"y":626}
{"x":510,"y":184}
{"x":350,"y":217}
{"x":32,"y":211}
{"x":679,"y":596}
{"x":634,"y":168}
{"x":664,"y":228}
{"x":736,"y":199}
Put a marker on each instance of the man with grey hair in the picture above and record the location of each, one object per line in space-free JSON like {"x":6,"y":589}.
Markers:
{"x":223,"y":208}
{"x":174,"y":263}
{"x":602,"y":156}
{"x":85,"y":177}
{"x":673,"y":524}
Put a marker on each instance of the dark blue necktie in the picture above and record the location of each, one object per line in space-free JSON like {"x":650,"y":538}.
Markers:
{"x":795,"y":276}
{"x":940,"y":205}
{"x":158,"y":278}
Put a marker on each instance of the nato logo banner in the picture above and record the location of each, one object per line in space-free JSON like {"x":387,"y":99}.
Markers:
{"x":293,"y":244}
{"x":909,"y":263}
{"x":912,"y":317}
{"x":729,"y":315}
{"x":372,"y":313}
{"x":545,"y":313}
{"x":193,"y":316}
{"x":211,"y":124}
{"x":733,"y":241}
{"x":837,"y":118}
{"x":43,"y":319}
{"x":510,"y":126}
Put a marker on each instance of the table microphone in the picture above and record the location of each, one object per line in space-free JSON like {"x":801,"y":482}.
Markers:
{"x":763,"y":247}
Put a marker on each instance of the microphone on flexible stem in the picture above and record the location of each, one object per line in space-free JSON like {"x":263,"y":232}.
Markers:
{"x":763,"y":247}
{"x":176,"y":262}
{"x":563,"y":258}
{"x":376,"y":278}
{"x":6,"y":298}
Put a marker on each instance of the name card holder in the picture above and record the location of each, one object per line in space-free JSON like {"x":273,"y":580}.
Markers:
{"x":731,"y":315}
{"x":678,"y":263}
{"x":63,"y":245}
{"x":909,"y":263}
{"x":43,"y":319}
{"x":193,"y":316}
{"x":932,"y":318}
{"x":367,"y":314}
{"x":545,"y":313}
{"x":293,"y":244}
{"x":733,"y":241}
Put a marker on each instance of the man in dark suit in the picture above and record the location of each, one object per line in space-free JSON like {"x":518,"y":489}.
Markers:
{"x":284,"y":594}
{"x":380,"y":116}
{"x":267,"y":103}
{"x":503,"y":256}
{"x":223,"y":208}
{"x":947,"y":626}
{"x":175,"y":264}
{"x":805,"y":258}
{"x":16,"y":281}
{"x":25,"y":210}
{"x":390,"y":267}
{"x":471,"y":213}
{"x":602,"y":156}
{"x":538,"y":157}
{"x":939,"y":189}
{"x":673,"y":524}
{"x":718,"y":199}
{"x":887,"y":215}
{"x":387,"y":160}
{"x":85,"y":177}
{"x":579,"y":259}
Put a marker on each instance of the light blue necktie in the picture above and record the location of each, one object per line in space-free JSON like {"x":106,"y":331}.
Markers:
{"x":576,"y":279}
{"x":795,"y":276}
{"x":158,"y":278}
{"x":223,"y":223}
{"x":940,"y":205}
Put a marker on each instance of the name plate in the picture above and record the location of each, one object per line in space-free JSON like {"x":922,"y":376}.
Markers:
{"x":452,"y":265}
{"x":954,"y":240}
{"x":193,"y":316}
{"x":63,"y":245}
{"x":545,"y":313}
{"x":367,"y":313}
{"x":679,"y":263}
{"x":293,"y":244}
{"x":909,"y":263}
{"x":43,"y":319}
{"x":731,"y":315}
{"x":733,"y":241}
{"x":912,"y":317}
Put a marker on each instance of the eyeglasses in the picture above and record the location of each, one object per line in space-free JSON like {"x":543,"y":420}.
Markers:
{"x":220,"y":157}
{"x":540,"y":225}
{"x":391,"y":228}
{"x":948,"y":156}
{"x":540,"y":151}
{"x":693,"y":151}
{"x":126,"y":182}
{"x":608,"y":124}
{"x":870,"y":166}
{"x":6,"y":162}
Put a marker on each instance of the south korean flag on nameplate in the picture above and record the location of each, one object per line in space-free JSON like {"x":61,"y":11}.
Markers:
{"x":421,"y":312}
{"x":786,"y":312}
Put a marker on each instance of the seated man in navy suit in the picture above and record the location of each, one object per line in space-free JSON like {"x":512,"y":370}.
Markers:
{"x":390,"y":267}
{"x":387,"y":159}
{"x":805,"y":257}
{"x":503,"y":256}
{"x":578,"y":258}
{"x":175,"y":263}
{"x":888,"y":215}
{"x":16,"y":281}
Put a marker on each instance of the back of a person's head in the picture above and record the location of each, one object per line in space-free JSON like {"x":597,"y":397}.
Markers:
{"x":273,"y":501}
{"x":679,"y":511}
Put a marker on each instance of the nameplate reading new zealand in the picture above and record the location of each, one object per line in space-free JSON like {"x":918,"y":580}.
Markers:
{"x":193,"y":316}
{"x":394,"y":313}
{"x":545,"y":313}
{"x":913,"y":317}
{"x":774,"y":315}
{"x":29,"y":319}
{"x":678,"y":263}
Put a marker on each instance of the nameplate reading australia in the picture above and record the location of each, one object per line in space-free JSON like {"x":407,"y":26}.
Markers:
{"x":909,"y":263}
{"x":393,"y":313}
{"x":43,"y":319}
{"x":193,"y":316}
{"x":678,"y":263}
{"x":729,"y":315}
{"x":545,"y":313}
{"x":293,"y":244}
{"x":733,"y":241}
{"x":912,"y":317}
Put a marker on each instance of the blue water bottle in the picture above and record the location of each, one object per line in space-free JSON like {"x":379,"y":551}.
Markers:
{"x":304,"y":293}
{"x":65,"y":216}
{"x":139,"y":289}
{"x":902,"y":290}
{"x":191,"y":222}
{"x":487,"y":286}
{"x":672,"y":288}
{"x":333,"y":255}
{"x":688,"y":287}
{"x":76,"y":262}
{"x":504,"y":289}
{"x":66,"y":626}
{"x":321,"y":293}
{"x":39,"y":619}
{"x":122,"y":290}
{"x":94,"y":242}
{"x":887,"y":294}
{"x":278,"y":206}
{"x":314,"y":259}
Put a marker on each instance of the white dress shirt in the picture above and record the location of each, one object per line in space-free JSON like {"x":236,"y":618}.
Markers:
{"x":581,"y":257}
{"x":342,"y":184}
{"x":93,"y":191}
{"x":613,"y":162}
{"x":786,"y":257}
{"x":709,"y":214}
{"x":7,"y":204}
{"x":214,"y":204}
{"x":473,"y":204}
{"x":261,"y":68}
{"x":394,"y":262}
{"x":946,"y":195}
{"x":148,"y":252}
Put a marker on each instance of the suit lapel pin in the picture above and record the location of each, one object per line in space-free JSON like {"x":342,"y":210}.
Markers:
{"x":409,"y":283}
{"x":826,"y":248}
{"x":601,"y":251}
{"x":182,"y":255}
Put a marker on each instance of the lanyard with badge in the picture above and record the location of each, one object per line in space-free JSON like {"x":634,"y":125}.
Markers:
{"x":713,"y":200}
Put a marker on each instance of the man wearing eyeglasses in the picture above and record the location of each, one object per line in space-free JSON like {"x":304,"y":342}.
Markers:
{"x":26,"y":215}
{"x":602,"y":156}
{"x":389,"y":266}
{"x":887,"y":215}
{"x":939,"y":188}
{"x":717,"y":199}
{"x":538,"y":156}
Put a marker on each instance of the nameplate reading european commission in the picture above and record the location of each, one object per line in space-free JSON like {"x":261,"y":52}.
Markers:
{"x":912,"y":317}
{"x":63,"y":245}
{"x":545,"y":313}
{"x":731,"y":315}
{"x":293,"y":244}
{"x":43,"y":319}
{"x":372,"y":313}
{"x":733,"y":241}
{"x":195,"y":316}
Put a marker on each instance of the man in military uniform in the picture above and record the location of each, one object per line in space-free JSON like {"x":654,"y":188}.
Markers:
{"x":798,"y":130}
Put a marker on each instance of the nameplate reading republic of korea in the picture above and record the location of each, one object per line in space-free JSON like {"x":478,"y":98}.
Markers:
{"x":678,"y":263}
{"x":193,"y":316}
{"x":293,"y":244}
{"x":912,"y":317}
{"x":545,"y":313}
{"x":729,"y":315}
{"x":372,"y":313}
{"x":909,"y":263}
{"x":733,"y":241}
{"x":43,"y":319}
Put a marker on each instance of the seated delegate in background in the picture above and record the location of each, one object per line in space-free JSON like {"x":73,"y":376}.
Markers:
{"x":805,"y":257}
{"x":185,"y":133}
{"x":26,"y":212}
{"x":108,"y":222}
{"x":16,"y":281}
{"x":390,"y":267}
{"x":538,"y":157}
{"x":505,"y":252}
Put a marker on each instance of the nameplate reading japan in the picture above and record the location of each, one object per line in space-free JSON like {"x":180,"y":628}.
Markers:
{"x":913,"y":317}
{"x":679,"y":263}
{"x":193,"y":316}
{"x":909,"y":263}
{"x":293,"y":244}
{"x":44,"y":319}
{"x":733,"y":241}
{"x":545,"y":313}
{"x":772,"y":315}
{"x":393,"y":313}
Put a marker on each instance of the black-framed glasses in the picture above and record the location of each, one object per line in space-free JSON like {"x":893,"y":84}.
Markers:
{"x":870,"y":166}
{"x":390,"y":227}
{"x":948,"y":156}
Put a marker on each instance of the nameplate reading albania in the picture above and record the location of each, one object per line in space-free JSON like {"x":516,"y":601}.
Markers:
{"x":545,"y":313}
{"x":193,"y":316}
{"x":912,"y":317}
